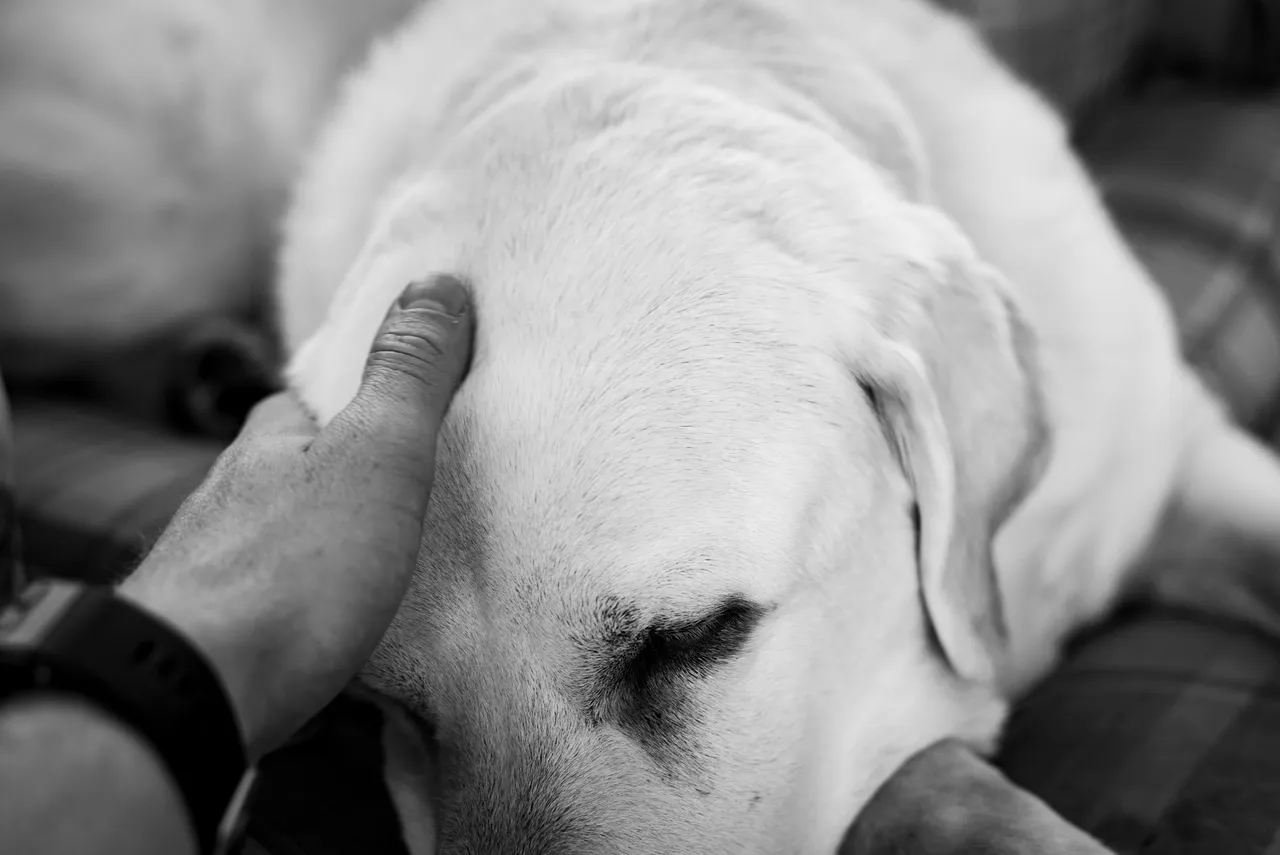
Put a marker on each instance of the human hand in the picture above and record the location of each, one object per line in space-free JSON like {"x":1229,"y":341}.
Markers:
{"x":946,"y":799}
{"x":287,"y":565}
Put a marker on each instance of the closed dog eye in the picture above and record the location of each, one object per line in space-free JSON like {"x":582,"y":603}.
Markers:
{"x":647,"y":685}
{"x":692,"y":647}
{"x":641,"y":675}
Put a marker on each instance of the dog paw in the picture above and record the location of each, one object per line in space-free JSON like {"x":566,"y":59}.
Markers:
{"x":220,"y":372}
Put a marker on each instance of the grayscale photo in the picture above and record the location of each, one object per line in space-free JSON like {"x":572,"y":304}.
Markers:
{"x":640,"y":427}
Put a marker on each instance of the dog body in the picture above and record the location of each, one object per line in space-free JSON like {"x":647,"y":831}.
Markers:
{"x":147,"y":148}
{"x":786,"y":310}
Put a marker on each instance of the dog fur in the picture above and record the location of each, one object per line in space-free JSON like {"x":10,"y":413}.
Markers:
{"x":147,"y":151}
{"x":815,"y":401}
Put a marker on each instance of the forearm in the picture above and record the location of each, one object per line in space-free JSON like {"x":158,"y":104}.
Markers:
{"x":77,"y":782}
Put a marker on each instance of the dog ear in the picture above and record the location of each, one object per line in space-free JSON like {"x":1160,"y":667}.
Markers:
{"x":952,"y":370}
{"x":407,"y":768}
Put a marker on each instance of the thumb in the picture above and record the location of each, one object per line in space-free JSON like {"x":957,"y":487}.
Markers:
{"x":417,"y":360}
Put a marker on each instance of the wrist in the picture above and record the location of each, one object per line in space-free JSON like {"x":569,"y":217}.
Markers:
{"x":238,"y":650}
{"x":87,"y":642}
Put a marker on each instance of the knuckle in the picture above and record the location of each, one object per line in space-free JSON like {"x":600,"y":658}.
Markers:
{"x":415,"y":350}
{"x":421,"y":331}
{"x":249,"y":460}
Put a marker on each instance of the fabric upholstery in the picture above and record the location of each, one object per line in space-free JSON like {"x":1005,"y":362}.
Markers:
{"x":1195,"y":184}
{"x":1160,"y":735}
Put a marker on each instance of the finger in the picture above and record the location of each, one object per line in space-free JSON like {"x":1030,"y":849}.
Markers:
{"x":282,"y":414}
{"x":947,"y":799}
{"x":418,"y":358}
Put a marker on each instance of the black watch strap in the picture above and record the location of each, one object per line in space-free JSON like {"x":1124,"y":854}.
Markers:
{"x":88,"y":642}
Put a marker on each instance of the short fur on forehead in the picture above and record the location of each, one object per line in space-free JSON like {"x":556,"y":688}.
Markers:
{"x":538,"y":202}
{"x":748,"y":263}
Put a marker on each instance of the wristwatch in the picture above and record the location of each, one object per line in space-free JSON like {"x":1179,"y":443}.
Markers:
{"x":87,"y":642}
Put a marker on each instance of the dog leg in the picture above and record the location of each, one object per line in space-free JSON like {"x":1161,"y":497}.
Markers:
{"x":1217,"y":549}
{"x":946,"y":799}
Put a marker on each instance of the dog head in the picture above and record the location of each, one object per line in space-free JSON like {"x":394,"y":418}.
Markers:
{"x":708,"y":553}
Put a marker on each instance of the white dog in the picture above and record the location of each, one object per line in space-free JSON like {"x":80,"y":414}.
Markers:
{"x":786,"y":309}
{"x":147,"y":149}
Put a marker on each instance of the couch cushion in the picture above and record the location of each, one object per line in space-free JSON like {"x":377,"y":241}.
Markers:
{"x":1083,"y":54}
{"x":1194,"y":182}
{"x":95,"y":490}
{"x":1159,"y":735}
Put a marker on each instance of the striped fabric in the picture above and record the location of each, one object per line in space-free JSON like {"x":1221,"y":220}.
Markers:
{"x":1082,"y":53}
{"x":1195,"y":185}
{"x":95,"y":490}
{"x":1161,"y":734}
